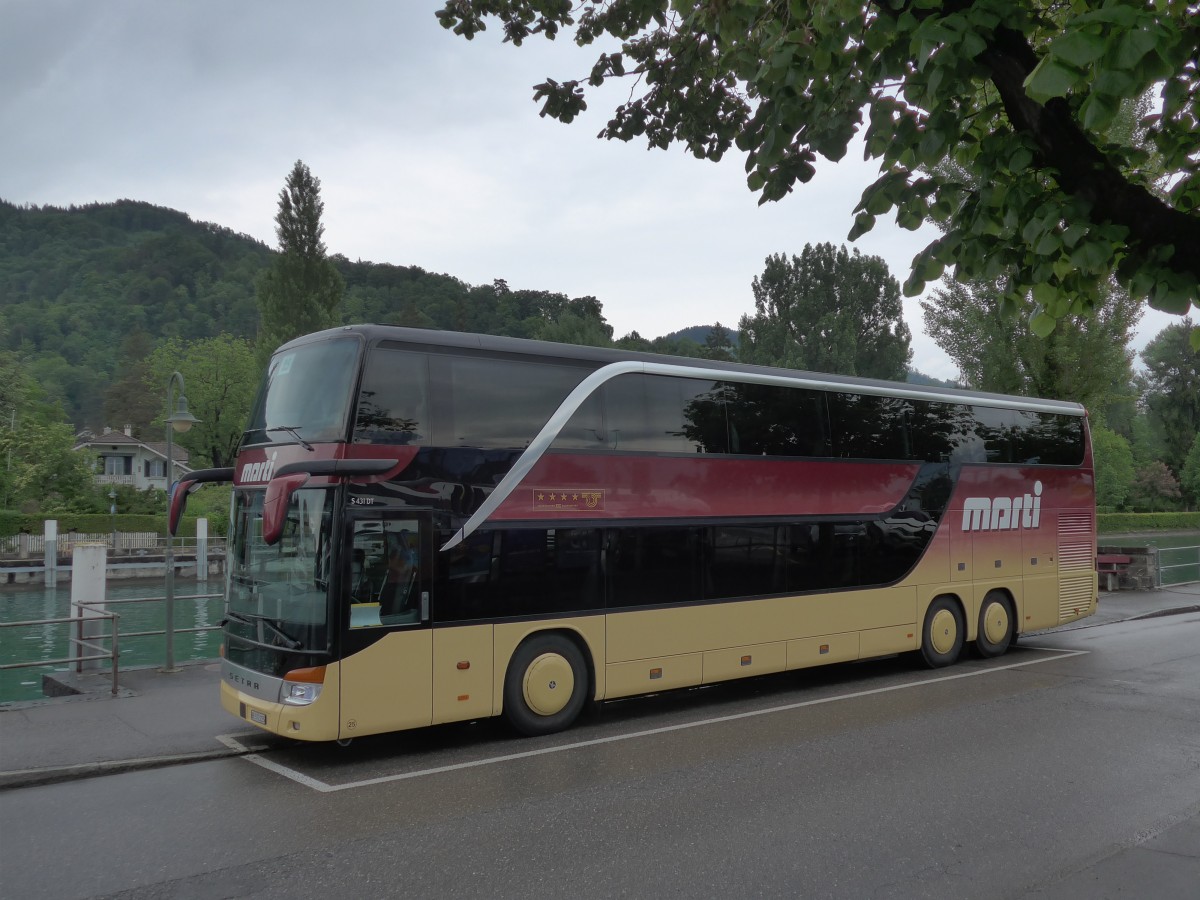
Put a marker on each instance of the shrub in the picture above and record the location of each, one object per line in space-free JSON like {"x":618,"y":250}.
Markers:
{"x":1116,"y":523}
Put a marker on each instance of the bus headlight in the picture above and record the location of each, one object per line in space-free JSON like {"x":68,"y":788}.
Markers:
{"x":302,"y":686}
{"x":301,"y":694}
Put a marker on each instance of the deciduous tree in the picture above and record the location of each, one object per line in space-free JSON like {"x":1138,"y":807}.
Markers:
{"x":221,"y":375}
{"x":827,"y":310}
{"x":1172,"y":391}
{"x":1114,"y":467}
{"x":1085,"y":359}
{"x":572,"y":328}
{"x":1155,"y":488}
{"x":1021,"y":95}
{"x":45,"y":474}
{"x":1189,"y":478}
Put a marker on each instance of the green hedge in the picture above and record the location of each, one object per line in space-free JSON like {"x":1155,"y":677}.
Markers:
{"x":1118,"y":523}
{"x":92,"y":523}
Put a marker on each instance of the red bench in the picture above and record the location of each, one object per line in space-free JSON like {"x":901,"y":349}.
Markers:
{"x":1111,"y":566}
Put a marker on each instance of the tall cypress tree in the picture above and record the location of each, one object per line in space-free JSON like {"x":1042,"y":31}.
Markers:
{"x":302,"y":291}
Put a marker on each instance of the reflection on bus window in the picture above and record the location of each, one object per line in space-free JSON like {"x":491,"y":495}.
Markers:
{"x":393,"y":401}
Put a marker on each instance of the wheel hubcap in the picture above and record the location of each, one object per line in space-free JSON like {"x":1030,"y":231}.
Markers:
{"x":995,"y":622}
{"x":943,"y":631}
{"x":549,"y":683}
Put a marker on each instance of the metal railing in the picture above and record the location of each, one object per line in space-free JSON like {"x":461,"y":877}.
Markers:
{"x":96,"y":652}
{"x":1170,"y":570}
{"x":89,"y":647}
{"x":163,"y":599}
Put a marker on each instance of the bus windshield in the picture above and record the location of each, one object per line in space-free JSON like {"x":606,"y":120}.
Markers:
{"x":306,"y":394}
{"x":279,"y":594}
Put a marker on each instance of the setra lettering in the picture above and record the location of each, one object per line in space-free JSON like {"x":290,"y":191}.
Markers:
{"x":243,"y":682}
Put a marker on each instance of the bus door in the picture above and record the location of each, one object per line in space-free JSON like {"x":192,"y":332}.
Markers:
{"x":387,"y":661}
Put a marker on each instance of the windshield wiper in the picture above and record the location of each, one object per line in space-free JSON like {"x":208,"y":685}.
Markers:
{"x":291,"y":429}
{"x":245,"y":619}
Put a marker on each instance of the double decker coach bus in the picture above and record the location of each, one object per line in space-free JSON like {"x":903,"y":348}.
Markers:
{"x":431,"y":526}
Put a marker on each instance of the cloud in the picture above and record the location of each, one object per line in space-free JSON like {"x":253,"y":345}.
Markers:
{"x":429,"y":149}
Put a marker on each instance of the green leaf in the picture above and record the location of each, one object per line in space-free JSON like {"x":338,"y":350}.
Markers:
{"x":1073,"y":233}
{"x":1050,"y":79}
{"x":1132,"y":46}
{"x":1169,"y":299}
{"x":1079,"y":48}
{"x":1099,"y":110}
{"x":863,"y":223}
{"x":1020,"y":159}
{"x":877,"y":201}
{"x":1044,"y":294}
{"x":1042,"y":324}
{"x":1114,"y":83}
{"x":1049,"y":245}
{"x":932,"y":269}
{"x":1092,"y":256}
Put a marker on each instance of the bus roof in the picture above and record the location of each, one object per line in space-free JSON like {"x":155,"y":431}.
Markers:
{"x":427,"y":337}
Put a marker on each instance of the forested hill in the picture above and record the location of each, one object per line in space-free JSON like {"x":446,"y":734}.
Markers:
{"x":76,"y":283}
{"x":87,"y":290}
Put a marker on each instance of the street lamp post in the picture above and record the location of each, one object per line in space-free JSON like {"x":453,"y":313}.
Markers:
{"x":178,"y":420}
{"x":112,"y":513}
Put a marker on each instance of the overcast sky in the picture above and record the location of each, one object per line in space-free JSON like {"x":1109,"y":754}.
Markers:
{"x":429,"y":149}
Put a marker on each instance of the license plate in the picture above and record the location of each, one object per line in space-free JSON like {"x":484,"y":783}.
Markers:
{"x":259,"y":718}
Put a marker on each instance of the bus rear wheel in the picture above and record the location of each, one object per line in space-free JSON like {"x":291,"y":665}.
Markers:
{"x":942,"y":634}
{"x":995,"y":625}
{"x":545,"y":686}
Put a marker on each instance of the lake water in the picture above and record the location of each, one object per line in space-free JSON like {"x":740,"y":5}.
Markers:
{"x":38,"y":642}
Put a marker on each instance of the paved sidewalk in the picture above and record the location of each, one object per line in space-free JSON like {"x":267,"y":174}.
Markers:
{"x":155,"y":719}
{"x":159,"y":719}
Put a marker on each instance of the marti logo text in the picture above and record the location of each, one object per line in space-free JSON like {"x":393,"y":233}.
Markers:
{"x":259,"y":471}
{"x":1003,"y":513}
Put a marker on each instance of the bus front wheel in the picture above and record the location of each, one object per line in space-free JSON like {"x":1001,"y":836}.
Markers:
{"x":545,"y":686}
{"x":942,"y":635}
{"x":995,"y":625}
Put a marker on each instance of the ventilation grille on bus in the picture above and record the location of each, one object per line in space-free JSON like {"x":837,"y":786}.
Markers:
{"x":1074,"y":594}
{"x":1076,"y":544}
{"x":1076,"y":559}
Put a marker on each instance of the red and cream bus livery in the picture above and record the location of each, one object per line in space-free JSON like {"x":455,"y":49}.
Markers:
{"x":430,"y":527}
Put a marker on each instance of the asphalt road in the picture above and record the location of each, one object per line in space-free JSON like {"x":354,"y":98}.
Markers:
{"x":1068,"y":768}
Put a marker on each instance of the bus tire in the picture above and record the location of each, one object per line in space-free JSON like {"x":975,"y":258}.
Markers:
{"x":943,"y":633}
{"x":546,"y":685}
{"x":996,"y":625}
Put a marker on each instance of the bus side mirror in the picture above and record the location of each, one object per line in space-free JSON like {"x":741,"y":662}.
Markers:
{"x":275,"y":504}
{"x":179,"y":492}
{"x":184,"y":486}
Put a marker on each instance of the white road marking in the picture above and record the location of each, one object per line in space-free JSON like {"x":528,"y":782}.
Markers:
{"x":323,"y":787}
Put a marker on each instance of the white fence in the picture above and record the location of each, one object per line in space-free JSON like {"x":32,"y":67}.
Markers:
{"x":34,"y":545}
{"x":30,"y":546}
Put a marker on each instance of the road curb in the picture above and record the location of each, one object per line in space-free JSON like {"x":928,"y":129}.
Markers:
{"x":21,"y":778}
{"x":1157,"y":614}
